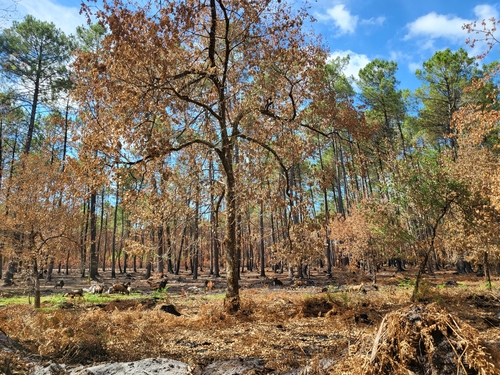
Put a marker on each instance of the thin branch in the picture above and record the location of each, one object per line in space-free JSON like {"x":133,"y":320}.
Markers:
{"x":275,"y":154}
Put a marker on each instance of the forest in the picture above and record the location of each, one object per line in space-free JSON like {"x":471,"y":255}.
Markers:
{"x":217,"y":136}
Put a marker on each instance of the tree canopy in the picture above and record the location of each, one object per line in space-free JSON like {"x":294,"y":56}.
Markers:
{"x":182,"y":133}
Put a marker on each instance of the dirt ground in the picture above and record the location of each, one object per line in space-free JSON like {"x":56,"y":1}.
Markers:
{"x":302,"y":322}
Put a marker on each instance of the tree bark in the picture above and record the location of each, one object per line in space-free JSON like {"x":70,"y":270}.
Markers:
{"x":262,"y":248}
{"x":170,"y":266}
{"x":113,"y":241}
{"x":101,"y":224}
{"x":232,"y":299}
{"x":179,"y":253}
{"x":34,"y":104}
{"x":83,"y":241}
{"x":196,"y":235}
{"x":487,"y":270}
{"x":105,"y":241}
{"x":93,"y":236}
{"x":159,"y":251}
{"x":36,"y":288}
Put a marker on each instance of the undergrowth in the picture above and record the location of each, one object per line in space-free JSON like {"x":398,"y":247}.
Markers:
{"x":285,"y":328}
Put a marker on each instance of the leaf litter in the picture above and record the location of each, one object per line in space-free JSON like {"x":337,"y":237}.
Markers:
{"x":327,"y":333}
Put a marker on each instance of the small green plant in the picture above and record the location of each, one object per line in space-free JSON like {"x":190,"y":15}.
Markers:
{"x":160,"y":293}
{"x":406,"y":283}
{"x":343,"y":299}
{"x":426,"y":292}
{"x":57,"y":298}
{"x":98,"y":298}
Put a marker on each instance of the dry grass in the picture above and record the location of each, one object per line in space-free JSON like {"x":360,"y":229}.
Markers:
{"x":426,"y":339}
{"x":287,"y":328}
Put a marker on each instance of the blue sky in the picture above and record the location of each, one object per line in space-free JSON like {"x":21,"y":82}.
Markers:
{"x":406,"y":31}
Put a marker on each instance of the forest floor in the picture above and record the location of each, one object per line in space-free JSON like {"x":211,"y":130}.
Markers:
{"x":330,"y":324}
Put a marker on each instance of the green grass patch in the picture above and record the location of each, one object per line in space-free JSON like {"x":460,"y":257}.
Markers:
{"x":15,"y":300}
{"x":406,"y":283}
{"x":212,"y":297}
{"x":103,"y":298}
{"x":25,"y":300}
{"x":58,"y":299}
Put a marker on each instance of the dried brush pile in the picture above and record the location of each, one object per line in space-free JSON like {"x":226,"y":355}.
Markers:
{"x":426,"y":340}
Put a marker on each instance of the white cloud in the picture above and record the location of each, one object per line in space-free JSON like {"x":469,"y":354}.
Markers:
{"x":374,"y":21}
{"x":343,"y":19}
{"x":433,"y":26}
{"x":413,"y":66}
{"x":485,"y":12}
{"x":64,"y":17}
{"x":397,"y":56}
{"x":429,"y":44}
{"x":356,"y":61}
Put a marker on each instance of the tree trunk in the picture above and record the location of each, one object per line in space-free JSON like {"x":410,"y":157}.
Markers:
{"x":101,"y":225}
{"x":262,"y":249}
{"x":50,"y":269}
{"x":113,"y":240}
{"x":65,"y":139}
{"x":125,"y":255}
{"x":421,"y":269}
{"x":37,"y":299}
{"x":337,"y":186}
{"x":212,"y":215}
{"x":159,"y":251}
{"x":67,"y":262}
{"x":105,"y":242}
{"x":149,"y":264}
{"x":83,"y":241}
{"x":215,"y":235}
{"x":249,"y":247}
{"x":170,"y":266}
{"x":93,"y":236}
{"x":34,"y":104}
{"x":179,"y":254}
{"x":196,"y":236}
{"x":232,"y":299}
{"x":487,"y":270}
{"x":329,"y":248}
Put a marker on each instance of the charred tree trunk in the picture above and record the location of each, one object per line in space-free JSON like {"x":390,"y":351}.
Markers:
{"x":487,"y":270}
{"x":36,"y":287}
{"x":113,"y":239}
{"x":105,"y":242}
{"x":196,"y":236}
{"x":262,"y":248}
{"x":93,"y":236}
{"x":179,"y":253}
{"x":83,"y":241}
{"x":159,"y":251}
{"x":170,"y":266}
